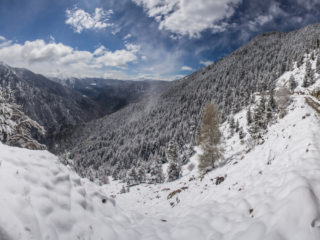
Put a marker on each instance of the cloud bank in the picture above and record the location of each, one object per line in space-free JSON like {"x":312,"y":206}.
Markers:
{"x":53,"y":59}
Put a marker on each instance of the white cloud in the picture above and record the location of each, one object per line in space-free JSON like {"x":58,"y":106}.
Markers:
{"x":186,"y":68}
{"x":127,"y":36}
{"x":118,"y":58}
{"x":273,"y":12}
{"x":53,"y":59}
{"x":188,"y":17}
{"x":4,"y":42}
{"x":81,"y":20}
{"x":206,"y":63}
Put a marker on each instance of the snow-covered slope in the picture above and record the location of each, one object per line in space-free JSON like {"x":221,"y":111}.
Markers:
{"x":42,"y":199}
{"x":271,"y":192}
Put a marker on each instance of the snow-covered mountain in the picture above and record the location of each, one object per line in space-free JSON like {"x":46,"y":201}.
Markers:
{"x":50,"y":104}
{"x":267,"y":192}
{"x":266,"y":185}
{"x":113,"y":94}
{"x":138,"y":135}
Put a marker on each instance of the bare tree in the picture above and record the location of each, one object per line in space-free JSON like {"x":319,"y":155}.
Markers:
{"x":283,"y":99}
{"x":209,"y":139}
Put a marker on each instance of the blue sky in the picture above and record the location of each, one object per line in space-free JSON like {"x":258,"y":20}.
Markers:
{"x":135,"y":39}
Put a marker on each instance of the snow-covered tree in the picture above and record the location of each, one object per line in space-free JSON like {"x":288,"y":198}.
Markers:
{"x":249,"y":116}
{"x":156,"y":172}
{"x":16,"y":128}
{"x":318,"y":65}
{"x":309,"y":75}
{"x":259,"y":120}
{"x":292,"y":83}
{"x":241,"y":133}
{"x":174,"y":168}
{"x":237,"y":126}
{"x":231,"y":125}
{"x":132,"y":177}
{"x":209,"y":139}
{"x":173,"y":171}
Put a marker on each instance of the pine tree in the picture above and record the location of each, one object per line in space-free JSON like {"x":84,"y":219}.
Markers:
{"x":271,"y":106}
{"x":231,"y":125}
{"x":141,"y":174}
{"x":249,"y":116}
{"x":156,"y":173}
{"x":312,"y":56}
{"x":237,"y":126}
{"x":300,"y":61}
{"x":292,"y":83}
{"x":241,"y":133}
{"x":173,"y":171}
{"x":132,"y":177}
{"x":318,"y":65}
{"x":271,"y":101}
{"x":209,"y":139}
{"x":259,"y":121}
{"x":172,"y":152}
{"x":309,"y":75}
{"x":305,"y":82}
{"x":174,"y":168}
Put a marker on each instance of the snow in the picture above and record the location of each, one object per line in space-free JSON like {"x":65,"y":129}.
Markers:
{"x":266,"y":192}
{"x":43,"y":199}
{"x":271,"y":192}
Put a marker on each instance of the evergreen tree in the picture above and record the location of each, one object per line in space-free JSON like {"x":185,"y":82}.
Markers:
{"x":209,"y":139}
{"x":237,"y":126}
{"x":231,"y":125}
{"x":305,"y":82}
{"x":172,"y":152}
{"x":300,"y":61}
{"x":309,"y":75}
{"x":259,"y":121}
{"x":292,"y":83}
{"x":241,"y":133}
{"x":271,"y":101}
{"x":141,"y":174}
{"x":156,"y":173}
{"x":174,"y":171}
{"x":132,"y":177}
{"x":318,"y":65}
{"x":174,"y":168}
{"x":249,"y":116}
{"x":312,"y":56}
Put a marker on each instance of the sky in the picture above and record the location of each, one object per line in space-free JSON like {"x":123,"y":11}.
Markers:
{"x":137,"y":39}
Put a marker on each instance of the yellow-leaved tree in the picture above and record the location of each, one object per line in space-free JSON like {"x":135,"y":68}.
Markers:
{"x":209,"y":139}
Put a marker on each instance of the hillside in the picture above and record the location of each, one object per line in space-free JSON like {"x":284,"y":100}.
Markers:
{"x":139,"y":134}
{"x":254,"y":194}
{"x":50,"y":104}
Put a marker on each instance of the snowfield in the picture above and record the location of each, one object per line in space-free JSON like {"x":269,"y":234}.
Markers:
{"x":269,"y":192}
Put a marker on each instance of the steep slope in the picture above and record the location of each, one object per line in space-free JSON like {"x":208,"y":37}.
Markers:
{"x":139,"y":134}
{"x":47,"y":102}
{"x":269,"y":192}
